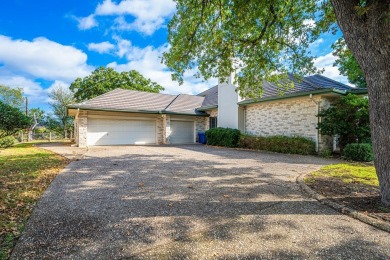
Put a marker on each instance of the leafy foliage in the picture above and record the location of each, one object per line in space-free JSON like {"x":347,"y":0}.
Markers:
{"x":264,"y":39}
{"x":348,"y":119}
{"x":62,"y":97}
{"x":103,"y":80}
{"x":347,"y":64}
{"x":279,"y":144}
{"x":12,"y":96}
{"x":361,"y":152}
{"x":7,"y":141}
{"x":12,"y":120}
{"x":227,"y":137}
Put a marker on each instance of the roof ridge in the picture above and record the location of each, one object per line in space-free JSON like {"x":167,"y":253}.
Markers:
{"x":104,"y":94}
{"x":337,"y":82}
{"x":165,"y":109}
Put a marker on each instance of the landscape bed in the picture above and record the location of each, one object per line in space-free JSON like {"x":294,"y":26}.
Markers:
{"x":354,"y":185}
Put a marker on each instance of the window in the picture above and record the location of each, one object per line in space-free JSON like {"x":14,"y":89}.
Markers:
{"x":212,"y":122}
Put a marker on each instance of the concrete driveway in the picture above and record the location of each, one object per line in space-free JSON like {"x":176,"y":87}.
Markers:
{"x":190,"y":202}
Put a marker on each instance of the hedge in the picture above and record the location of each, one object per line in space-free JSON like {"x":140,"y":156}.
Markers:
{"x":227,"y":137}
{"x":279,"y":144}
{"x":361,"y":152}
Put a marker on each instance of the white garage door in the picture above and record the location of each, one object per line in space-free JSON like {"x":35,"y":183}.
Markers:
{"x":116,"y":132}
{"x":182,"y":132}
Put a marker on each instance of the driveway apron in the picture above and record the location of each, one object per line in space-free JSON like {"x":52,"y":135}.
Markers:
{"x":190,"y":202}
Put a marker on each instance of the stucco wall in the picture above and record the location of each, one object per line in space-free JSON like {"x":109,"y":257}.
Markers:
{"x":227,"y":106}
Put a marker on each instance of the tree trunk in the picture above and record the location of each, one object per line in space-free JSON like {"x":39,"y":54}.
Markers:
{"x":368,"y":37}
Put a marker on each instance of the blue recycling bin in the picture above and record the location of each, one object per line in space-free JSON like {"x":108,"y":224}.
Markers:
{"x":202,"y":137}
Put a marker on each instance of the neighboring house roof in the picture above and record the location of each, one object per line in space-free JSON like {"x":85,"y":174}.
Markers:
{"x":314,"y":84}
{"x":143,"y":102}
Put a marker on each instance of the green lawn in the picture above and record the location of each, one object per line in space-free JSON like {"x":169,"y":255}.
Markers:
{"x":349,"y":173}
{"x":25,"y":173}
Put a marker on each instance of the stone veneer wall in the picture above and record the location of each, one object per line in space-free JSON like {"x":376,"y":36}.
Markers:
{"x":82,"y":131}
{"x":212,"y":113}
{"x":160,"y":129}
{"x":289,"y":117}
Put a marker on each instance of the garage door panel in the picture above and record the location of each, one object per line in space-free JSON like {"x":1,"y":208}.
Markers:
{"x":182,"y":132}
{"x":117,"y":132}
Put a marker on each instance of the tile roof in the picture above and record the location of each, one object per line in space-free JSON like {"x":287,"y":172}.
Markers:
{"x":147,"y":102}
{"x":305,"y":85}
{"x":185,"y":104}
{"x":210,"y":97}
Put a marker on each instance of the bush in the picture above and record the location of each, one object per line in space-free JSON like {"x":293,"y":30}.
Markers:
{"x":279,"y":144}
{"x":361,"y":152}
{"x":7,"y":141}
{"x":223,"y":137}
{"x":326,"y":153}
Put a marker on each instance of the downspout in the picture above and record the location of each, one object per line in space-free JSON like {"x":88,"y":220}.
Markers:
{"x":318,"y":121}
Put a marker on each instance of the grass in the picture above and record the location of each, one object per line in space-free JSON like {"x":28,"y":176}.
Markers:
{"x":349,"y":173}
{"x":25,"y":173}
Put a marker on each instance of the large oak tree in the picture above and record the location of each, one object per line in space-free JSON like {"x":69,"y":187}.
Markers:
{"x":103,"y":80}
{"x":264,"y":39}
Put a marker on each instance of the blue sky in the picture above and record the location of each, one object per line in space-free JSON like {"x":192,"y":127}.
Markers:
{"x":44,"y":44}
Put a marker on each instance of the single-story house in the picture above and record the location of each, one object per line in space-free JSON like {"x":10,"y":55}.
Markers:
{"x":122,"y":117}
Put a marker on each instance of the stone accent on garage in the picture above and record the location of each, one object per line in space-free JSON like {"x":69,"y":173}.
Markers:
{"x":82,"y":122}
{"x":160,"y":129}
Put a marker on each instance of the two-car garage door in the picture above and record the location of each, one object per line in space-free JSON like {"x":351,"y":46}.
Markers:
{"x":118,"y":131}
{"x":104,"y":131}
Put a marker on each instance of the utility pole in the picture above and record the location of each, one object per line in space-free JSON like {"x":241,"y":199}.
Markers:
{"x":26,"y":106}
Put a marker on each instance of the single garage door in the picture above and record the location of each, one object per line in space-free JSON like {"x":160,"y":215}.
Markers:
{"x":182,"y":132}
{"x":118,"y":131}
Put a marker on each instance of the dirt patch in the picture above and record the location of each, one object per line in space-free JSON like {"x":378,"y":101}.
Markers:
{"x":361,"y":197}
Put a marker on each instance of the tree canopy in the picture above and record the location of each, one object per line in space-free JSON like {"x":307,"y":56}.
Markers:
{"x":260,"y":39}
{"x":12,"y":96}
{"x":266,"y":39}
{"x":61,"y":98}
{"x":12,"y":120}
{"x":347,"y":64}
{"x":103,"y":80}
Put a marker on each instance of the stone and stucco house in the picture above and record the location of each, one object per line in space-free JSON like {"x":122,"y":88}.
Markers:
{"x":134,"y":117}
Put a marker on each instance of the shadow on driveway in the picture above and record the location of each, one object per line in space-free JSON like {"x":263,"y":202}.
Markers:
{"x":190,"y":202}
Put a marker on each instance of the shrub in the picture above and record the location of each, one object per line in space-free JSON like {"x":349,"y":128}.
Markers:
{"x":348,"y":118}
{"x":361,"y":152}
{"x":279,"y":144}
{"x":223,"y":137}
{"x":7,"y":141}
{"x":326,"y":153}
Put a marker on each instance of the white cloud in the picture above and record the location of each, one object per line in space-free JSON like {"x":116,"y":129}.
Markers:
{"x":86,"y":23}
{"x":148,"y":16}
{"x":326,"y":62}
{"x":42,"y":58}
{"x":310,"y":22}
{"x":33,"y":90}
{"x":102,"y":47}
{"x":148,"y":62}
{"x":316,"y":43}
